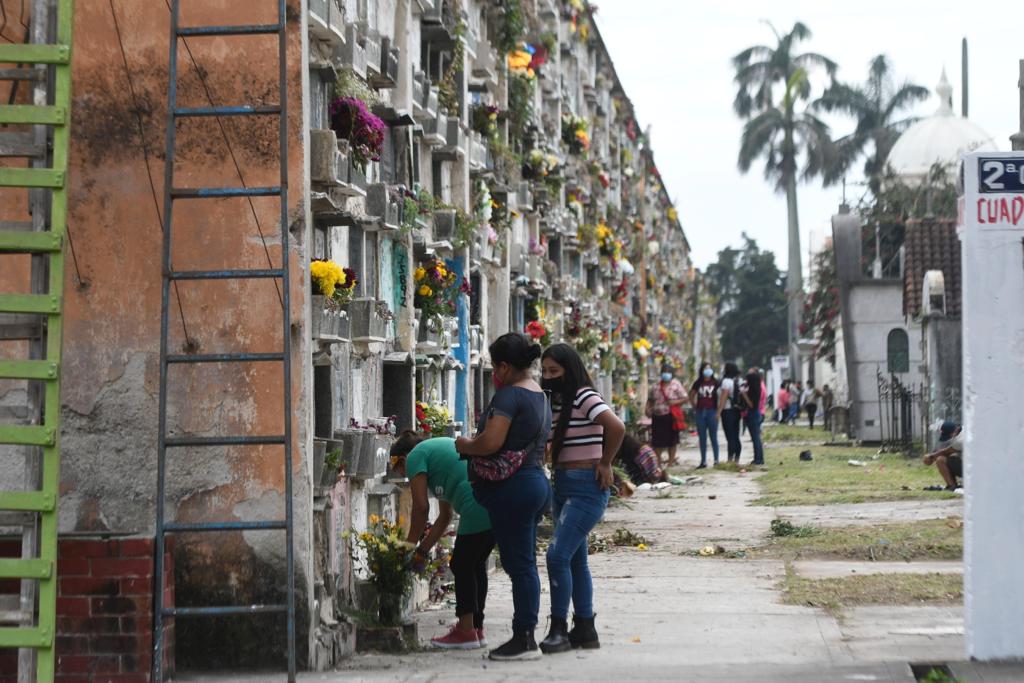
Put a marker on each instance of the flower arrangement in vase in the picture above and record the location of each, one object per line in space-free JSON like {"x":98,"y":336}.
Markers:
{"x":386,"y":555}
{"x":436,"y":290}
{"x":333,"y":282}
{"x":574,"y":133}
{"x":432,"y":418}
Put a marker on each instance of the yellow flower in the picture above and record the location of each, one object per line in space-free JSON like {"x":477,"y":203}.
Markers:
{"x":374,"y":519}
{"x":420,"y":273}
{"x":492,"y":116}
{"x":672,"y":213}
{"x":442,"y":271}
{"x":641,"y":546}
{"x":424,"y":290}
{"x":365,"y":536}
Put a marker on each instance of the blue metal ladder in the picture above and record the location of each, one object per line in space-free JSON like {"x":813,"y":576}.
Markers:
{"x":172,"y":193}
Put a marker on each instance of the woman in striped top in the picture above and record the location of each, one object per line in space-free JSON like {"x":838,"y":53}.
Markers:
{"x":586,"y":435}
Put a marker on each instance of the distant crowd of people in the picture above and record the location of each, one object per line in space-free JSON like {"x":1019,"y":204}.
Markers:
{"x":793,"y":398}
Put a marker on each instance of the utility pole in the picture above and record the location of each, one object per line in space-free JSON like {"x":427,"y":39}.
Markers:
{"x":1017,"y":139}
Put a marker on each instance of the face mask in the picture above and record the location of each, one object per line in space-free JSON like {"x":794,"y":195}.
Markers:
{"x":708,"y":372}
{"x":666,"y":377}
{"x":555,"y":385}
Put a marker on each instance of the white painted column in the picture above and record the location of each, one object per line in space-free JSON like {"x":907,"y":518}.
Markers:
{"x":992,"y":224}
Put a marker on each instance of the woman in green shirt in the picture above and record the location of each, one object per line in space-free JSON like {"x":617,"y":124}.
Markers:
{"x":433,"y":466}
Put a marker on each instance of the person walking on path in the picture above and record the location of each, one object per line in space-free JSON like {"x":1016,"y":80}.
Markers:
{"x":782,"y":404}
{"x":809,"y":401}
{"x":752,"y":398}
{"x":517,"y":420}
{"x":433,"y":466}
{"x":796,"y":392}
{"x":704,"y":396}
{"x":585,"y":437}
{"x":666,"y":395}
{"x":729,"y":410}
{"x":827,"y":400}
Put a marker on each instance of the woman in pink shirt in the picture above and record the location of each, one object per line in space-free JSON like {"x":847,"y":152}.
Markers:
{"x":585,"y":437}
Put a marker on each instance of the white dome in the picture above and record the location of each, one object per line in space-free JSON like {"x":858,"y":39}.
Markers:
{"x":939,"y":139}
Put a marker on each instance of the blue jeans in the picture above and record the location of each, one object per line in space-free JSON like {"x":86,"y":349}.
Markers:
{"x":579,"y":506}
{"x":707,"y":426}
{"x":754,"y":421}
{"x":515,"y":507}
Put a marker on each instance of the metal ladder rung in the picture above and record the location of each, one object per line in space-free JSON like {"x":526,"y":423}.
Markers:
{"x":27,"y":501}
{"x":44,"y":304}
{"x":25,"y":569}
{"x":29,"y":369}
{"x":222,"y":192}
{"x":181,"y":441}
{"x":33,"y":114}
{"x":226,"y":526}
{"x":22,"y":74}
{"x":244,"y":30}
{"x":223,"y":611}
{"x":226,"y":274}
{"x":20,"y":145}
{"x":240,"y":110}
{"x":30,"y":241}
{"x":37,"y":637}
{"x":225,"y":358}
{"x":27,"y":435}
{"x":16,"y":53}
{"x":31,"y":177}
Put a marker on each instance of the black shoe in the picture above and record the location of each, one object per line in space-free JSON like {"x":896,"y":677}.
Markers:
{"x":699,"y":467}
{"x":583,"y":634}
{"x":520,"y":646}
{"x":558,"y":638}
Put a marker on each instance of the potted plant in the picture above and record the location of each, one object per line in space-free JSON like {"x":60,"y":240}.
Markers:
{"x":574,"y":133}
{"x":432,"y":419}
{"x":383,"y":552}
{"x":331,"y":467}
{"x":436,"y":290}
{"x":333,"y":288}
{"x":352,"y":121}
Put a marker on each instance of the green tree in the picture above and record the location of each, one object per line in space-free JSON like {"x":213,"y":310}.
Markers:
{"x":876,"y":106}
{"x":752,"y":303}
{"x":792,"y":142}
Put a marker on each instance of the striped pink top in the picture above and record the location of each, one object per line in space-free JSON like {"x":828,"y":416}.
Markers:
{"x":584,"y":438}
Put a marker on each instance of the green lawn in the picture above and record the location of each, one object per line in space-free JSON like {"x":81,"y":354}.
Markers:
{"x":929,"y":539}
{"x":775,"y":434}
{"x":872,"y":589}
{"x":829,"y":479}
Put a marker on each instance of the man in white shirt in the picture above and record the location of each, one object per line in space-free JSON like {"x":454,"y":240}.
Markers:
{"x":948,"y":458}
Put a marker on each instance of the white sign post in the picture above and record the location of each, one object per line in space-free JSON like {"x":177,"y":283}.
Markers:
{"x":992,"y":224}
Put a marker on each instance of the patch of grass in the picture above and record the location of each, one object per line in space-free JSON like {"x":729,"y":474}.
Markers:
{"x":784,"y":528}
{"x":773,"y":433}
{"x":872,"y":589}
{"x":928,"y":539}
{"x":626,"y":537}
{"x":828,"y":479}
{"x":727,"y":467}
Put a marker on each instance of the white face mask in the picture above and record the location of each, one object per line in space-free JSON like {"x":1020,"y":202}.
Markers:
{"x":708,"y":372}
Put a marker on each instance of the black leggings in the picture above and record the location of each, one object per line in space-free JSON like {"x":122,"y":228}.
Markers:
{"x":812,"y":410}
{"x":469,"y":566}
{"x":731,"y":427}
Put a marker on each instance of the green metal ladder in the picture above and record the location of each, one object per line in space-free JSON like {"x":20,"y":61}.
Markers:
{"x":35,"y":317}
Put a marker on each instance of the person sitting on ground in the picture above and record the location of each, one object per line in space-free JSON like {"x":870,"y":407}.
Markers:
{"x":640,"y":462}
{"x":948,"y":458}
{"x":433,"y":466}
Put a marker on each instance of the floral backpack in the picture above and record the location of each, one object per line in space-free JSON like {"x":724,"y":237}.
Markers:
{"x":504,"y":464}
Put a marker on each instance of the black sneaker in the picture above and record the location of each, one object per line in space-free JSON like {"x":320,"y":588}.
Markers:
{"x":701,"y":466}
{"x":520,"y":646}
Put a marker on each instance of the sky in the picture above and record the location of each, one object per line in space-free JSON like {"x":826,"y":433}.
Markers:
{"x":674,"y":60}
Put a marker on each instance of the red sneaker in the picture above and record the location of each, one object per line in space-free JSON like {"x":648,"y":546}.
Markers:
{"x":481,"y":637}
{"x":457,"y":639}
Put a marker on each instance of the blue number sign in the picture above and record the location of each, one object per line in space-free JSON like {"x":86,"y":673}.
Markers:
{"x":1001,"y":174}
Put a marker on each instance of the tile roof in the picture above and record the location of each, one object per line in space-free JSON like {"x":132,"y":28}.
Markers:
{"x":931,"y":244}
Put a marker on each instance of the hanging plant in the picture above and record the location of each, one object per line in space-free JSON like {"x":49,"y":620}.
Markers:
{"x":352,"y":121}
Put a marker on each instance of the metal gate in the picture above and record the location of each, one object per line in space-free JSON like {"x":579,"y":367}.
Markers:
{"x":171,"y":276}
{"x":899,"y":405}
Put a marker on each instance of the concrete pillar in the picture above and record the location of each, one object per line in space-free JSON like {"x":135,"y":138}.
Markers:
{"x":992,"y":226}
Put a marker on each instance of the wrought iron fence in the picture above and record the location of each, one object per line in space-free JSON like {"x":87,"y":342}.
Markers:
{"x":899,"y":405}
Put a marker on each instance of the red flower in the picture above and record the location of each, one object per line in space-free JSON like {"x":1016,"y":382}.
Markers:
{"x":536,"y":329}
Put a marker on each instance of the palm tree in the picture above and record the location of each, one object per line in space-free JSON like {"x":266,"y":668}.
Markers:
{"x":792,"y":143}
{"x":875,"y":105}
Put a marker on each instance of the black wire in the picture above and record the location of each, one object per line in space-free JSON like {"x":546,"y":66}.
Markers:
{"x":74,"y":258}
{"x":234,"y":160}
{"x":145,"y":155}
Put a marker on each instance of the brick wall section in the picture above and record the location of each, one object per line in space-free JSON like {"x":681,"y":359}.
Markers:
{"x":104,"y":611}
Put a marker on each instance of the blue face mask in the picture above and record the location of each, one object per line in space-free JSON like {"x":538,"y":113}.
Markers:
{"x":708,"y":372}
{"x":666,"y":377}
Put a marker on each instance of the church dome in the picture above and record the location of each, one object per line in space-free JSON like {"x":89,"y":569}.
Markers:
{"x":938,"y":139}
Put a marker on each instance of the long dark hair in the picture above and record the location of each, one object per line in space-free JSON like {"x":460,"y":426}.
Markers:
{"x":574,"y":378}
{"x":514,"y":348}
{"x":405,"y":442}
{"x":754,"y":389}
{"x":629,"y":448}
{"x":731,"y":371}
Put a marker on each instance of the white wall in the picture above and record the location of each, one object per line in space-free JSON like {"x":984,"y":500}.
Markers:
{"x":876,"y":308}
{"x":993,"y":364}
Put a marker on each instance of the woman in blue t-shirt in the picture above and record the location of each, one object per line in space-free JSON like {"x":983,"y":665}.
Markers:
{"x":517,"y":418}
